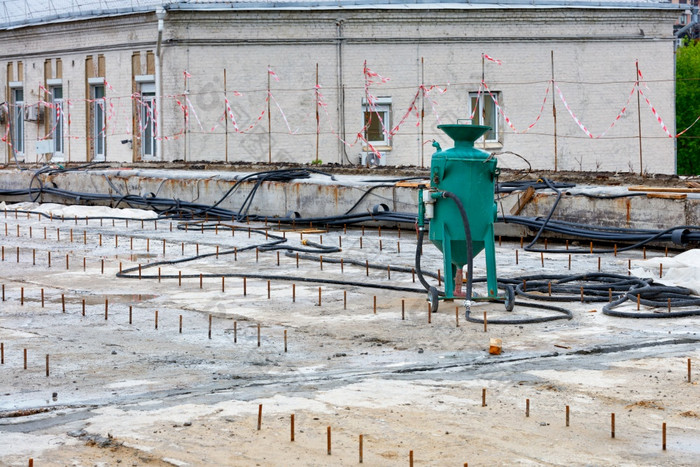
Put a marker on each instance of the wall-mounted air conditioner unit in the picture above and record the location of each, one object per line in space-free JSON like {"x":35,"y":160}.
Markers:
{"x":370,"y":159}
{"x":32,"y":113}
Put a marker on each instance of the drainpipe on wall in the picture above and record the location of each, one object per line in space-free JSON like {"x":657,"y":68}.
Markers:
{"x":341,"y":89}
{"x":160,"y":14}
{"x":693,"y":22}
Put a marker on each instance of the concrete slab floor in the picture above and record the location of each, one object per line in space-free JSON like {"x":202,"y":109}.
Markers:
{"x":124,"y":390}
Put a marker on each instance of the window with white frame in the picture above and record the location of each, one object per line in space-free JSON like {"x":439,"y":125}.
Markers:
{"x":482,"y":106}
{"x":377,"y":121}
{"x":147,"y":120}
{"x":57,"y":119}
{"x":17,"y":117}
{"x":98,"y":106}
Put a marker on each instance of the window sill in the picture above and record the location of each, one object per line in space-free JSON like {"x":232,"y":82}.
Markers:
{"x":377,"y":147}
{"x":488,"y":145}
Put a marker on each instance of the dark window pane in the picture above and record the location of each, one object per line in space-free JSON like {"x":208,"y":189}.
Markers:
{"x":375,"y":131}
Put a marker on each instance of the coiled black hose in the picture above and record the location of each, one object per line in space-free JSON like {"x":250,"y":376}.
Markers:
{"x":655,"y":296}
{"x":596,"y":287}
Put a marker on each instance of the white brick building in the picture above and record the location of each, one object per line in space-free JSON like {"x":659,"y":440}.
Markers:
{"x":93,"y":83}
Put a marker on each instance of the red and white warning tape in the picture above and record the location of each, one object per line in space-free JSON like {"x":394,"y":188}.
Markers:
{"x":371,"y":79}
{"x":656,"y":114}
{"x":505,"y":117}
{"x":496,"y":61}
{"x":571,"y":112}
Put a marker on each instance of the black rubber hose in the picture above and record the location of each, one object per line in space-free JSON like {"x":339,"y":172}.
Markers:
{"x":35,"y":176}
{"x":125,"y":275}
{"x":649,"y":294}
{"x":521,"y":185}
{"x":470,"y":248}
{"x":419,"y":253}
{"x":364,"y":195}
{"x":354,"y":262}
{"x":538,"y":287}
{"x":621,"y":195}
{"x":634,"y":238}
{"x":629,"y":286}
{"x":271,"y":175}
{"x":609,"y":309}
{"x":563,"y":314}
{"x":549,"y":215}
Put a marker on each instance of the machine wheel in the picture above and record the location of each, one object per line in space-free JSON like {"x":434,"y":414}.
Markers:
{"x":510,"y":298}
{"x":434,"y":299}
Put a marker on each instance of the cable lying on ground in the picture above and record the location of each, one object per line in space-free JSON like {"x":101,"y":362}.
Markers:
{"x":625,"y":288}
{"x":178,"y":209}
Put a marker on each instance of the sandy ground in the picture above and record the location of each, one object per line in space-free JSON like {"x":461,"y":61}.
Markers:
{"x":122,"y":393}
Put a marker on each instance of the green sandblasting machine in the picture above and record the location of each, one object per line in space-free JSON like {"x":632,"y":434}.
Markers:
{"x":461,"y":209}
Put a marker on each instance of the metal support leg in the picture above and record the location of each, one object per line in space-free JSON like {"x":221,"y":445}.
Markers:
{"x":459,"y":277}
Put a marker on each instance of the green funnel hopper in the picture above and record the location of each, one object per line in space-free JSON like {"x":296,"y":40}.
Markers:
{"x":464,"y":134}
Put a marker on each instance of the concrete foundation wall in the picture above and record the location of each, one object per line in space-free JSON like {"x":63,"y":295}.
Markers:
{"x":637,"y":212}
{"x":317,"y":196}
{"x":321,"y":196}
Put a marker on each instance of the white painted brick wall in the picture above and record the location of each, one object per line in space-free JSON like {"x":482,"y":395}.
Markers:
{"x":594,"y":64}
